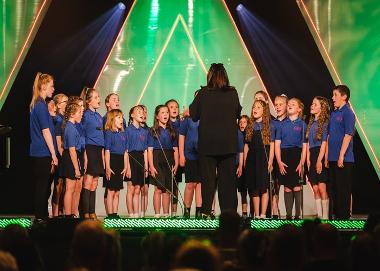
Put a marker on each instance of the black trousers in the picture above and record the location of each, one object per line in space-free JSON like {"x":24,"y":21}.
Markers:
{"x":42,"y":177}
{"x":224,"y":166}
{"x":341,"y":184}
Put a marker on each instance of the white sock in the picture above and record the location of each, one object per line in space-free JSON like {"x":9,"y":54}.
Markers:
{"x":263,"y":216}
{"x":157,"y":216}
{"x":325,"y":209}
{"x":319,"y":207}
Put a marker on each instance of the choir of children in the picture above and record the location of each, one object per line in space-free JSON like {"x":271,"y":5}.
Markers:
{"x":87,"y":146}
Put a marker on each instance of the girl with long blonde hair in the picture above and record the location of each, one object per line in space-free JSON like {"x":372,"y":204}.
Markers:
{"x":43,"y":145}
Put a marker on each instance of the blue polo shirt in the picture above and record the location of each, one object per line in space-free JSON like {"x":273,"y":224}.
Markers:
{"x":167,"y":142}
{"x":92,"y":123}
{"x":313,"y":142}
{"x":189,"y":129}
{"x":80,"y":129}
{"x":71,"y":137}
{"x":291,"y":133}
{"x":240,"y":149}
{"x":40,"y":119}
{"x":137,"y":138}
{"x":115,"y":142}
{"x":258,"y":126}
{"x":342,"y":122}
{"x":58,"y":120}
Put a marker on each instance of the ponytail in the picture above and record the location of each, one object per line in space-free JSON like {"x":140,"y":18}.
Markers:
{"x":86,"y":96}
{"x":40,"y":80}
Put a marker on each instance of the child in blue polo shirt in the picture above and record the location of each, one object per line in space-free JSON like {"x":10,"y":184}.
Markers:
{"x":78,"y":184}
{"x":173,"y":106}
{"x":116,"y":159}
{"x":280,"y":105}
{"x":163,"y":159}
{"x":259,"y":153}
{"x":138,"y":161}
{"x":290,"y":149}
{"x":43,"y":145}
{"x":60,"y":101}
{"x":145,"y":190}
{"x":241,"y":181}
{"x":112,"y":101}
{"x":340,"y":151}
{"x":188,"y":158}
{"x":72,"y":164}
{"x":92,"y":123}
{"x":316,"y":134}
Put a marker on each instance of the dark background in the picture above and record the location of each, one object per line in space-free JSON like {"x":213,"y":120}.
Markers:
{"x":285,"y":54}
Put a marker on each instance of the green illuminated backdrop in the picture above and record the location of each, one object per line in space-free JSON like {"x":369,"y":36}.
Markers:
{"x":16,"y":21}
{"x":165,"y":49}
{"x":349,"y":31}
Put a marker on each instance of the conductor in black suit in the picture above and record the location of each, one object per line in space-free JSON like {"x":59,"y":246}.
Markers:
{"x":217,"y":107}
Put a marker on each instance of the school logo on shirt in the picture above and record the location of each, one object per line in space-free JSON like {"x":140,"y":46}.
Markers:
{"x":141,"y":137}
{"x":339,"y":118}
{"x":122,"y":137}
{"x":297,"y":129}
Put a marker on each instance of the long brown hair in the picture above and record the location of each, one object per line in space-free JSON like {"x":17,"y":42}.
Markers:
{"x":322,"y":120}
{"x":40,"y":80}
{"x":265,"y":132}
{"x":217,"y":76}
{"x":86,"y":96}
{"x":111,"y":115}
{"x":155,"y":130}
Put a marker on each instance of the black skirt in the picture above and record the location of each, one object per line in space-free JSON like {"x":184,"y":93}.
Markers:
{"x":163,"y":179}
{"x":192,"y":171}
{"x":67,"y":169}
{"x":256,"y":167}
{"x":291,"y":157}
{"x":94,"y":160}
{"x":115,"y":183}
{"x":314,"y":177}
{"x":241,"y":183}
{"x":179,"y":173}
{"x":136,"y":161}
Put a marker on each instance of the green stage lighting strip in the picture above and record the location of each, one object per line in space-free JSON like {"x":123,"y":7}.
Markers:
{"x":149,"y":223}
{"x":23,"y":222}
{"x":356,"y":225}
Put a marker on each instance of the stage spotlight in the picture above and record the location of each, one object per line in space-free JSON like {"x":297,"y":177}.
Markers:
{"x":121,"y":5}
{"x":239,"y":7}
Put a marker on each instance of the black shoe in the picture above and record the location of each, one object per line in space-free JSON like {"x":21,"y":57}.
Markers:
{"x":212,"y":215}
{"x":186,"y":214}
{"x":289,"y":217}
{"x":40,"y":221}
{"x":296,"y":217}
{"x":275,"y":217}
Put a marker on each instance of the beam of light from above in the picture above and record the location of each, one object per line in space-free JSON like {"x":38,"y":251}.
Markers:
{"x":99,"y":37}
{"x":121,"y":6}
{"x":267,"y":43}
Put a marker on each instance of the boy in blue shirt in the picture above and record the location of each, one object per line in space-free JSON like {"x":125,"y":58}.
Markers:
{"x":340,"y":151}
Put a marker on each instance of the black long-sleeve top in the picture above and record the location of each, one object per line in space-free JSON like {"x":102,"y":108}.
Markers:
{"x":218,"y":111}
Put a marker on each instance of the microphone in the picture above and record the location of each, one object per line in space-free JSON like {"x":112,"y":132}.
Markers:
{"x":99,"y":128}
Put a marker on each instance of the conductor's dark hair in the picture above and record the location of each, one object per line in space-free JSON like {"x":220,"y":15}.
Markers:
{"x":217,"y":76}
{"x":343,"y":90}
